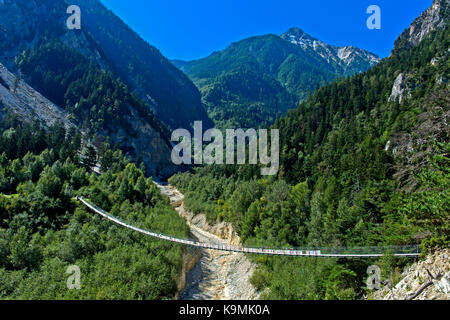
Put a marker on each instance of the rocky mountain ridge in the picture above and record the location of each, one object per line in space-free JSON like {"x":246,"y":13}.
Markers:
{"x":433,"y":18}
{"x":346,"y":59}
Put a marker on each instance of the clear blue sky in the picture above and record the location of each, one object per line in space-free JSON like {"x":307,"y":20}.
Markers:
{"x":192,"y":29}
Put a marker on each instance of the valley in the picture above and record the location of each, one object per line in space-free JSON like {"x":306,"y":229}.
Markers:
{"x":217,"y":275}
{"x":360,"y":152}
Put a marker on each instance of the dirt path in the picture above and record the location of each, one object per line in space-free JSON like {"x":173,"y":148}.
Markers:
{"x":217,"y":275}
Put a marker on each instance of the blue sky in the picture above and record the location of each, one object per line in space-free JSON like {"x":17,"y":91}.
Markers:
{"x":193,"y":29}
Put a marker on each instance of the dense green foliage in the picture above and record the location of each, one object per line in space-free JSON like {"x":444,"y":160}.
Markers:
{"x":43,"y":230}
{"x":337,"y":182}
{"x":428,"y":207}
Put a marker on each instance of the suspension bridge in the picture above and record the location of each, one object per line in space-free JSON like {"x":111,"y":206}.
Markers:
{"x":359,"y":252}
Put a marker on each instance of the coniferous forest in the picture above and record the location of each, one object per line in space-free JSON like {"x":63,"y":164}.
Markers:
{"x":43,"y":229}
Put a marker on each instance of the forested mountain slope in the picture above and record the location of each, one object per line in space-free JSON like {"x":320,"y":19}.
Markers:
{"x":174,"y":99}
{"x":267,"y":75}
{"x":82,"y":72}
{"x":112,"y":45}
{"x":364,"y":162}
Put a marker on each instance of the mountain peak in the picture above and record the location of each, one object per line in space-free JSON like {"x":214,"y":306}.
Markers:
{"x":346,"y":57}
{"x":297,"y":36}
{"x":294,"y":31}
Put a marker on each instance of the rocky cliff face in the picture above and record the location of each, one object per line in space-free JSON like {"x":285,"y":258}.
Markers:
{"x":190,"y":259}
{"x":141,"y":142}
{"x":411,"y":149}
{"x":424,"y":280}
{"x":19,"y":98}
{"x":433,"y":18}
{"x":400,"y":90}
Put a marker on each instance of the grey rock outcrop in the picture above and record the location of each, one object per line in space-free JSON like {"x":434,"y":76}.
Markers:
{"x":28,"y":104}
{"x":400,"y":90}
{"x":411,"y":150}
{"x":140,"y":142}
{"x":433,"y":18}
{"x":344,"y":58}
{"x":434,"y":271}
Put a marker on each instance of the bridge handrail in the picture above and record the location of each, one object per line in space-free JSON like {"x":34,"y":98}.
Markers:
{"x":266,"y":251}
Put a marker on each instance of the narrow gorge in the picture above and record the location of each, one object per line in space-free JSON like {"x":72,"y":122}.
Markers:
{"x":216,"y":275}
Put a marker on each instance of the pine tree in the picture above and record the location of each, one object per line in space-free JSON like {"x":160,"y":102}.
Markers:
{"x":89,"y":158}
